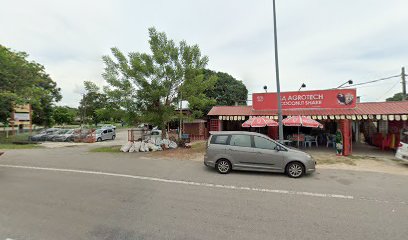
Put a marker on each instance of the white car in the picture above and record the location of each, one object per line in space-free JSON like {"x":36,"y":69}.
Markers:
{"x":105,"y":134}
{"x":402,"y":151}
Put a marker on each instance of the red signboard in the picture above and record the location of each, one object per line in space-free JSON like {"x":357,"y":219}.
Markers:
{"x":334,"y":98}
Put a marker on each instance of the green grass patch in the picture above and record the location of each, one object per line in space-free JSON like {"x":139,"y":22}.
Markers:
{"x":111,"y":149}
{"x":14,"y":138}
{"x":18,"y":146}
{"x":198,"y":146}
{"x":325,"y":159}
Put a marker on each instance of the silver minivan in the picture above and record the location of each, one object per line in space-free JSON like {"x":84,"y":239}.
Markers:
{"x":402,"y":150}
{"x":251,"y":151}
{"x":105,"y":134}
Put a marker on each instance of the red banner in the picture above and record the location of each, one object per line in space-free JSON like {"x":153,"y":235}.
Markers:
{"x":336,"y":98}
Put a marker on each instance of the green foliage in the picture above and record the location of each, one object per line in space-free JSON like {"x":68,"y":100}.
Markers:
{"x":91,"y":102}
{"x":396,"y":97}
{"x":149,"y":86}
{"x":227,"y":89}
{"x":17,"y":146}
{"x":109,"y":114}
{"x":7,"y":100}
{"x":23,"y":81}
{"x":64,"y":115}
{"x":109,"y":149}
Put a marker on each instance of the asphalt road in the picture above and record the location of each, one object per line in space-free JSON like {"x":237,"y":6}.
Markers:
{"x":69,"y":193}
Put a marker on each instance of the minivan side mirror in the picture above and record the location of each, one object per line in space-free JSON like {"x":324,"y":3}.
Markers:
{"x":279,"y":148}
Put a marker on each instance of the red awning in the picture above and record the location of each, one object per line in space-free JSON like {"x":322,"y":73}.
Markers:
{"x":372,"y":108}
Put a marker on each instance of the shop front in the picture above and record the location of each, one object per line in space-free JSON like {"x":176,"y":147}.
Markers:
{"x":338,"y":110}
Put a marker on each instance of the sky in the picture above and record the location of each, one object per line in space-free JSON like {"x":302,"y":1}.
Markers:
{"x":322,"y":43}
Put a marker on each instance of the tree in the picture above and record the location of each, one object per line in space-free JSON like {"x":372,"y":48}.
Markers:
{"x":7,"y":100}
{"x":64,"y":115}
{"x":150,"y":85}
{"x":110,"y":114}
{"x":396,"y":97}
{"x":227,"y":89}
{"x":91,"y":101}
{"x":23,"y":81}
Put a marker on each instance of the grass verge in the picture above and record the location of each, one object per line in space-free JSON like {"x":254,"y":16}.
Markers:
{"x":198,"y":146}
{"x":335,"y":160}
{"x":18,"y":146}
{"x":110,"y":149}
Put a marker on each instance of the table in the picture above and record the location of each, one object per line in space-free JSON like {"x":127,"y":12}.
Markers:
{"x":285,"y":142}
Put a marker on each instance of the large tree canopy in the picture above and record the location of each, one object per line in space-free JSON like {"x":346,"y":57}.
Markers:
{"x":91,"y":102}
{"x":24,"y":81}
{"x":64,"y":115}
{"x":396,"y":97}
{"x":227,"y":90}
{"x":151,"y":85}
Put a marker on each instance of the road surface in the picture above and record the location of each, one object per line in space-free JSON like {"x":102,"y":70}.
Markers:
{"x":69,"y":193}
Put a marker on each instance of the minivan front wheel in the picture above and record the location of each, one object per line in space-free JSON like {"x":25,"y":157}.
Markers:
{"x":223,"y":166}
{"x":295,"y":169}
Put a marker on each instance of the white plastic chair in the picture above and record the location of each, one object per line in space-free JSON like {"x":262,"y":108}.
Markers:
{"x":330,"y":141}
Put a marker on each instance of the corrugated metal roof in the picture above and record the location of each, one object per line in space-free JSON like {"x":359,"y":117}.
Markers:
{"x":373,"y":108}
{"x":231,"y":111}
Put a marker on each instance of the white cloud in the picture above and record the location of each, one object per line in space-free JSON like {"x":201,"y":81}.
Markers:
{"x":321,"y":43}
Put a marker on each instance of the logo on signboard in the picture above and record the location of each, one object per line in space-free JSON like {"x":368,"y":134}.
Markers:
{"x":259,"y":98}
{"x":345,"y":99}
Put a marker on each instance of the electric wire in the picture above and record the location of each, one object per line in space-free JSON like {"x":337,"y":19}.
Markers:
{"x":372,"y":81}
{"x":393,"y":86}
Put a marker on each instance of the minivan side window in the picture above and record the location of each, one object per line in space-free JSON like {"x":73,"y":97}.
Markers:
{"x":241,"y":140}
{"x":264,"y":143}
{"x":105,"y":131}
{"x":219,"y":139}
{"x":109,"y":130}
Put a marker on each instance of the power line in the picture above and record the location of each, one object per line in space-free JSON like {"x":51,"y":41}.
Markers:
{"x":375,"y":85}
{"x":372,"y":81}
{"x":393,"y":86}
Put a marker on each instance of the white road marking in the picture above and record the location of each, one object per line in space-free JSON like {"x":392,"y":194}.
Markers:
{"x":323,"y":195}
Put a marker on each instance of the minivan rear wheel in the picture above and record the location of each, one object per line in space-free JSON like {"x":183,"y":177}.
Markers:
{"x":223,"y":166}
{"x":295,"y":169}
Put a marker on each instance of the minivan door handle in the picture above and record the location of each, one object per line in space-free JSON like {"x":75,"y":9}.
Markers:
{"x":236,"y":150}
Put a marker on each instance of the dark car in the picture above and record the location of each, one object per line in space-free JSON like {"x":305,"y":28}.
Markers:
{"x":42,"y":136}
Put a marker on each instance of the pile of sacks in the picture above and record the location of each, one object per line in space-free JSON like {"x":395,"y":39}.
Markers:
{"x":150,"y":145}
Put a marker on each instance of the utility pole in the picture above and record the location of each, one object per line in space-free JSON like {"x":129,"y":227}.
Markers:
{"x":277,"y":75}
{"x":404,"y":87}
{"x":181,"y":115}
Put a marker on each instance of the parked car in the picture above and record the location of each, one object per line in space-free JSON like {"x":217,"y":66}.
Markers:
{"x":66,"y":136}
{"x":105,"y":134}
{"x":42,"y":136}
{"x":50,"y":137}
{"x":402,"y":150}
{"x":251,"y":151}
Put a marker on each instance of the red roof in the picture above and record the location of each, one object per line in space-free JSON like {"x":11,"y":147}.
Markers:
{"x":368,"y":108}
